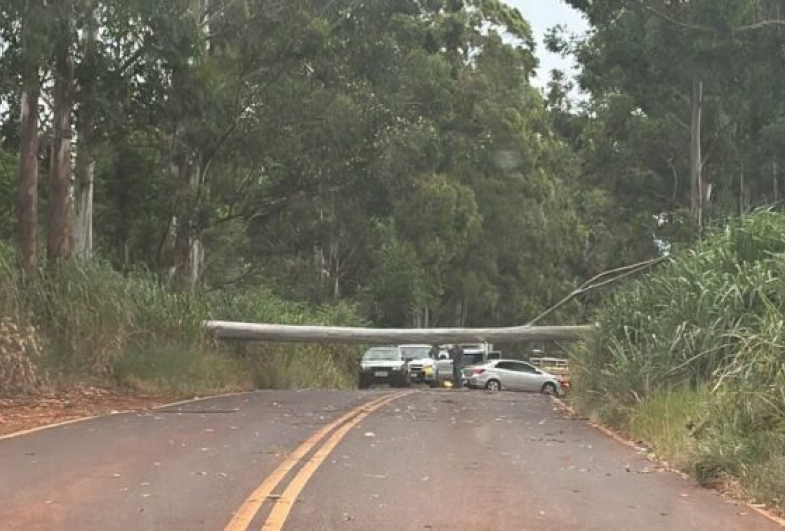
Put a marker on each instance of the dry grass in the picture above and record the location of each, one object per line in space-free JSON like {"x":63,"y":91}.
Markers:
{"x":20,"y":357}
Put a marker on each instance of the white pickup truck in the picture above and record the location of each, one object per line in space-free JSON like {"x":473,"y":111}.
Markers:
{"x":473,"y":353}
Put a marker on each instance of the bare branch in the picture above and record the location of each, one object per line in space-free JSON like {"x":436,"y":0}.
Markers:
{"x":708,"y":29}
{"x":759,"y":25}
{"x":668,"y":18}
{"x":592,"y":283}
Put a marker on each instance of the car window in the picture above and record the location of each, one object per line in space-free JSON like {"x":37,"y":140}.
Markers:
{"x":416,"y":353}
{"x":523,"y":367}
{"x":390,"y":354}
{"x":507,"y":365}
{"x":472,"y":358}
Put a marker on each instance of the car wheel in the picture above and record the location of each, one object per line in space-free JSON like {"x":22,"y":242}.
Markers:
{"x":549,"y":388}
{"x":362,"y":384}
{"x":493,"y":385}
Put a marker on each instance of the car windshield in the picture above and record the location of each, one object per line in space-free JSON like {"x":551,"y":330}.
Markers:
{"x":387,"y":354}
{"x":416,"y":353}
{"x":472,"y":358}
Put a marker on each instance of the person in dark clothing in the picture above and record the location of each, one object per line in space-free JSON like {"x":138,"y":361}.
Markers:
{"x":456,"y":354}
{"x":434,"y":352}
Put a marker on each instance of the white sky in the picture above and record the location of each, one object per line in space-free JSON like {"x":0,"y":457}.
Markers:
{"x":542,"y":15}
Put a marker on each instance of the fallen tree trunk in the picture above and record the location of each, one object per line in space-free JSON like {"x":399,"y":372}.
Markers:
{"x":367,"y":336}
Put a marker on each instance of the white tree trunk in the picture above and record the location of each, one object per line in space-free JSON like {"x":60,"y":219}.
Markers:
{"x":696,"y":159}
{"x":85,"y":149}
{"x":365,"y":336}
{"x":83,"y":226}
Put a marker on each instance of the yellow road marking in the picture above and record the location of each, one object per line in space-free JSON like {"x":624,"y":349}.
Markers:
{"x":283,"y":505}
{"x":242,"y":519}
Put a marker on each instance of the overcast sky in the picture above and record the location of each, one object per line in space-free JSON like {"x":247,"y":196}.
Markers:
{"x":542,"y":15}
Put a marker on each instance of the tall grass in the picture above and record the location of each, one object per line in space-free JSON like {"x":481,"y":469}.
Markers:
{"x":93,"y":323}
{"x":692,"y":357}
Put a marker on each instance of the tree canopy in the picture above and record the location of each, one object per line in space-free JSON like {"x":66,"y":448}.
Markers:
{"x":391,"y":155}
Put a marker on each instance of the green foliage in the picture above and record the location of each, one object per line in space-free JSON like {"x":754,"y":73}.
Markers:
{"x":93,"y":322}
{"x":699,"y":343}
{"x":8,"y":175}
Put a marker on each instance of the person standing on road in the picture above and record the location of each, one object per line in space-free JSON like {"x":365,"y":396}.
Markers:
{"x":456,"y":353}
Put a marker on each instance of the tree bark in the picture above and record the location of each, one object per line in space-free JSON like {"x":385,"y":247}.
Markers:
{"x":188,"y":251}
{"x":85,"y":150}
{"x":85,"y":176}
{"x":696,"y":159}
{"x":363,"y":336}
{"x":60,"y":241}
{"x":27,"y":201}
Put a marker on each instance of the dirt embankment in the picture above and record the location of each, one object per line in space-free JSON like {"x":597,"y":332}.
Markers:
{"x":26,"y":412}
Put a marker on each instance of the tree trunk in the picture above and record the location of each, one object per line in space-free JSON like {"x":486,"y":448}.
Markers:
{"x":189,"y":254}
{"x":85,"y":150}
{"x":27,"y":201}
{"x":85,"y":175}
{"x":364,"y":336}
{"x":59,"y":242}
{"x":696,"y":159}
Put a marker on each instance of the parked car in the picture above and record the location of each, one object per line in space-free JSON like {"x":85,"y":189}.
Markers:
{"x":384,"y":365}
{"x":512,"y":375}
{"x":422,"y":366}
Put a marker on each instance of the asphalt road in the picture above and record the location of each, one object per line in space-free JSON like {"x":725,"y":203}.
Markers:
{"x":429,"y":459}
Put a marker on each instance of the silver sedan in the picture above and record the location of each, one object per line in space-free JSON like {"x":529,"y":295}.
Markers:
{"x":512,"y":375}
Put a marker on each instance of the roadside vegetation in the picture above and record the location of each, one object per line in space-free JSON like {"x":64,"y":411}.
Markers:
{"x":691,"y":359}
{"x":90,"y":323}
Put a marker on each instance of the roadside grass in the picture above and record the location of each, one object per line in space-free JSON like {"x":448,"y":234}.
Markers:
{"x":86,"y":323}
{"x":170,"y":370}
{"x":666,"y":420}
{"x":690,"y":360}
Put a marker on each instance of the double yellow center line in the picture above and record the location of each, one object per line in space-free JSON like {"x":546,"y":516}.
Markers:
{"x":283,"y":503}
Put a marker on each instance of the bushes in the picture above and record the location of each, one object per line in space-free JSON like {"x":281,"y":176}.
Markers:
{"x":92,"y":322}
{"x":692,"y":357}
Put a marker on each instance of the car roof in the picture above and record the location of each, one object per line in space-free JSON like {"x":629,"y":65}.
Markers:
{"x":413,"y":345}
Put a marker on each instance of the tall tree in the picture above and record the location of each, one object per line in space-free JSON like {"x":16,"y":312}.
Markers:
{"x":60,"y":235}
{"x":27,"y":202}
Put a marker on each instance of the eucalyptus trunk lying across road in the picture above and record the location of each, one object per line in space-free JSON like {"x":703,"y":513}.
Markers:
{"x":364,"y":336}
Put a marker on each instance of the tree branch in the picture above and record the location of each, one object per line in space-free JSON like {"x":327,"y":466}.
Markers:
{"x":759,"y":25}
{"x":592,"y":283}
{"x":676,"y":22}
{"x":708,"y":29}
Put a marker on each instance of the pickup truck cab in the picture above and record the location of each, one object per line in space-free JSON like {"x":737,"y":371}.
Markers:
{"x":384,"y":365}
{"x":422,"y":366}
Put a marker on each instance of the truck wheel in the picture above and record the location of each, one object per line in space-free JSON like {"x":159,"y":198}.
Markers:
{"x":362,"y":384}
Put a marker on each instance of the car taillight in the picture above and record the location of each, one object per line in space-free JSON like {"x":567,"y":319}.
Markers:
{"x":478,"y":370}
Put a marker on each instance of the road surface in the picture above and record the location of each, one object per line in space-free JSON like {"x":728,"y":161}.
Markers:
{"x":379,"y":459}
